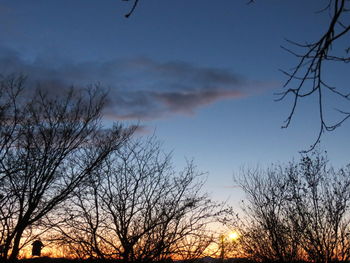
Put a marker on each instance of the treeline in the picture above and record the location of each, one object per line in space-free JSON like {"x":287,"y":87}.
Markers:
{"x":99,"y":192}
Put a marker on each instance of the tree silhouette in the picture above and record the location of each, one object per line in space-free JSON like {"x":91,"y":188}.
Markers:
{"x":297,"y":212}
{"x":49,"y":145}
{"x":138,"y":209}
{"x":266,"y":233}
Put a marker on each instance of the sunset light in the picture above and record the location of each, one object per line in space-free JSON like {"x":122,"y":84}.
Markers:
{"x":174,"y":131}
{"x":233,"y":236}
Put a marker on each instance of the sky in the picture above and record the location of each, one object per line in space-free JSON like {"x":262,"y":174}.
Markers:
{"x":202,"y":75}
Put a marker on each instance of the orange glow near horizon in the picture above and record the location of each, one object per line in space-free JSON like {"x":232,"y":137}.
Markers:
{"x":47,"y":251}
{"x":229,"y":237}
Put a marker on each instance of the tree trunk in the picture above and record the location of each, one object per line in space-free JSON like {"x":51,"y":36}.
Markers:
{"x":15,"y":249}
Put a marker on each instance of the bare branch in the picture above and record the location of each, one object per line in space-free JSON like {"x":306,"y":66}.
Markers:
{"x":310,"y":68}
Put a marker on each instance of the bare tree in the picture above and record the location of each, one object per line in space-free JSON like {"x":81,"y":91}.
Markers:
{"x":266,"y":233}
{"x":318,"y":207}
{"x":152,"y":208}
{"x":55,"y":145}
{"x":10,"y":89}
{"x":298,"y":211}
{"x":149,"y":211}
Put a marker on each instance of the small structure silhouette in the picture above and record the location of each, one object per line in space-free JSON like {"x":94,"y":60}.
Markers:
{"x":37,"y":246}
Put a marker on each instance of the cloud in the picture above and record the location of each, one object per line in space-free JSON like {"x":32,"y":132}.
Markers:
{"x":139,"y":88}
{"x":186,"y":102}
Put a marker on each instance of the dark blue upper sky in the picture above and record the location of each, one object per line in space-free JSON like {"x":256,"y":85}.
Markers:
{"x":201,"y":73}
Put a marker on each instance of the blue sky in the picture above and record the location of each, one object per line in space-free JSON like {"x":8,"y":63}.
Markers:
{"x":200,"y":73}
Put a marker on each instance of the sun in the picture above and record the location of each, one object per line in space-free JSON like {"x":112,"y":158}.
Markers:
{"x":233,"y":236}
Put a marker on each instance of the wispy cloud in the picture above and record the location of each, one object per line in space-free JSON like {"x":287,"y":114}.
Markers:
{"x":140,"y":88}
{"x":186,"y":102}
